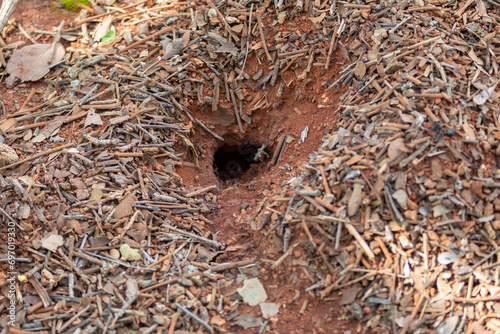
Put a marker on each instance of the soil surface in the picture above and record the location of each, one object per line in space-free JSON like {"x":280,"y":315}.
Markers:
{"x":296,"y":109}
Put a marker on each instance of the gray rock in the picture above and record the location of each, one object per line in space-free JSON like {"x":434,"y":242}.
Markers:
{"x":247,"y":321}
{"x":252,"y":292}
{"x":269,"y":309}
{"x":447,"y":257}
{"x":448,"y":326}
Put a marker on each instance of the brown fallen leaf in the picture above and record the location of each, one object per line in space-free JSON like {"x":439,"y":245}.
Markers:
{"x":31,"y":63}
{"x":395,"y":148}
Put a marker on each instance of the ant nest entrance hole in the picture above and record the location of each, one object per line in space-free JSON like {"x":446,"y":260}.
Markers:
{"x":234,"y":161}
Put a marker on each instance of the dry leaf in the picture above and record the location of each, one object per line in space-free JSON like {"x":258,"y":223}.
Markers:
{"x":355,"y":159}
{"x":470,"y":134}
{"x":52,"y":242}
{"x":7,"y":155}
{"x":474,"y":57}
{"x":102,"y":28}
{"x":93,"y":118}
{"x":125,"y":208}
{"x":281,"y":17}
{"x":395,"y":148}
{"x":31,"y":63}
{"x":48,"y":130}
{"x":355,"y":200}
{"x":360,"y":70}
{"x":318,"y":19}
{"x":7,"y":124}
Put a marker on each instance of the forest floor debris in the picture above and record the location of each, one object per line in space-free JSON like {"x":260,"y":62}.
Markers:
{"x":396,"y":209}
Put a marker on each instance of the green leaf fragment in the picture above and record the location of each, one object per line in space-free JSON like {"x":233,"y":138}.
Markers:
{"x":110,"y":35}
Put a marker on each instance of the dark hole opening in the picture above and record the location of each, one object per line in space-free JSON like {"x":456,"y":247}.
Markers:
{"x":232,"y":161}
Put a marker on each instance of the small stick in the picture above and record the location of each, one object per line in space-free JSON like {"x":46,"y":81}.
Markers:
{"x":371,"y":186}
{"x":308,"y":68}
{"x":170,"y":281}
{"x":384,"y":249}
{"x":353,"y":5}
{"x":325,"y":181}
{"x":33,"y":308}
{"x":88,"y":19}
{"x":32,"y":92}
{"x":143,"y":188}
{"x":290,"y":63}
{"x":248,"y":40}
{"x":13,"y":330}
{"x":5,"y":13}
{"x":215,"y":244}
{"x":129,"y":224}
{"x":192,"y":119}
{"x":48,"y":67}
{"x":71,"y":284}
{"x":259,"y":209}
{"x":89,"y":258}
{"x":280,"y":148}
{"x":145,"y":39}
{"x":314,"y":203}
{"x":459,"y":12}
{"x":54,"y":43}
{"x":37,"y":155}
{"x":192,"y":315}
{"x":172,"y":325}
{"x":477,"y":299}
{"x":325,"y":259}
{"x":352,"y":230}
{"x":261,"y":31}
{"x":335,"y":286}
{"x":129,"y":154}
{"x":87,"y":8}
{"x":438,"y":65}
{"x":413,"y":314}
{"x":75,"y":268}
{"x":308,"y":232}
{"x":215,"y":99}
{"x":226,"y":86}
{"x":226,"y":26}
{"x":426,"y":251}
{"x":284,"y":256}
{"x":263,"y":327}
{"x":330,"y":49}
{"x":25,"y":33}
{"x":201,"y":191}
{"x":292,"y":53}
{"x":161,"y":260}
{"x":125,"y":306}
{"x":393,"y":30}
{"x":227,"y":266}
{"x":181,"y":3}
{"x":87,"y":96}
{"x":70,"y":321}
{"x":42,"y":293}
{"x":50,"y":259}
{"x":102,"y":142}
{"x":236,"y":112}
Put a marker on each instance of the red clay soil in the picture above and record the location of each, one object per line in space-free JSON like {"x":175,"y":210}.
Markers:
{"x":286,"y":285}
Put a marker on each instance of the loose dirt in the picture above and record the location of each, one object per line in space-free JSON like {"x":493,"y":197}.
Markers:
{"x":264,"y":179}
{"x":296,"y":109}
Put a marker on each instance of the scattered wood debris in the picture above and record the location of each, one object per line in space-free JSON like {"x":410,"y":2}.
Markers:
{"x":398,"y":210}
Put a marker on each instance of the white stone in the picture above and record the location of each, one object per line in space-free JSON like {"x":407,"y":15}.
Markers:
{"x":253,"y":292}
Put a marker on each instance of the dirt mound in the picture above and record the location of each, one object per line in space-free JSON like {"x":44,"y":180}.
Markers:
{"x":253,"y":167}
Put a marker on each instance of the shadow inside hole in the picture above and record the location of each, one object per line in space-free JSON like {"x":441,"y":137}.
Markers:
{"x":232,"y":161}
